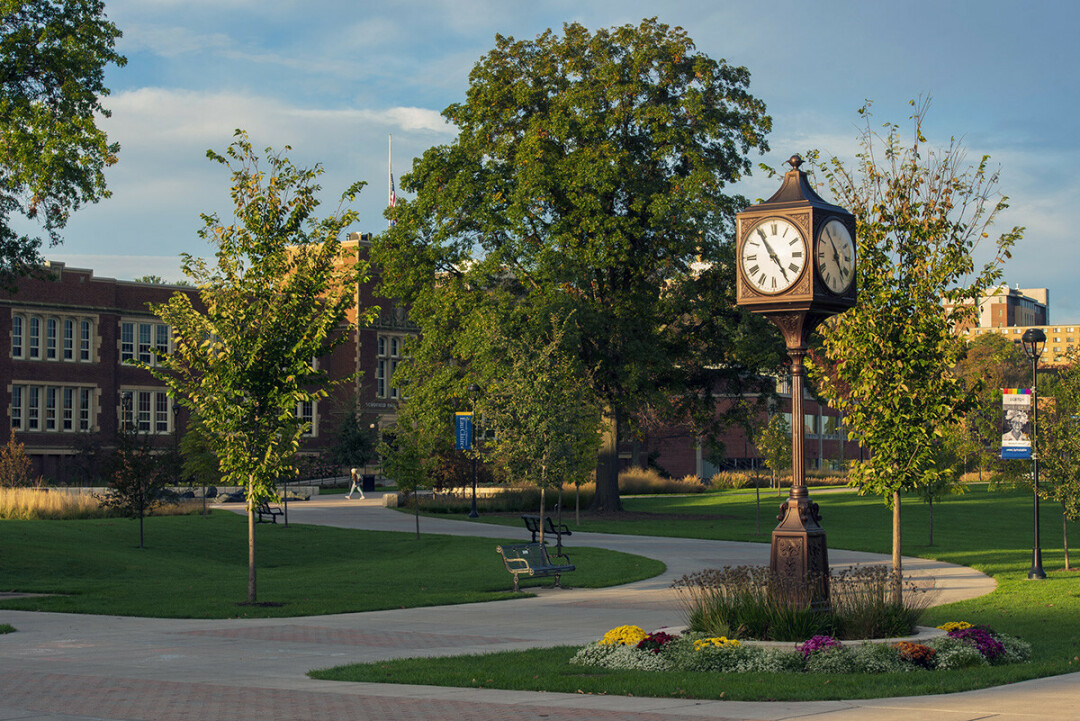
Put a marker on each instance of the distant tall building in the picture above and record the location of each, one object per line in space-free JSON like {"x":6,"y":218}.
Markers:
{"x":1006,"y":307}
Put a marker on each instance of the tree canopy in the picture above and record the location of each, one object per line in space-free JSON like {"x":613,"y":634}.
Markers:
{"x":53,"y":55}
{"x":276,"y":300}
{"x":587,"y":178}
{"x":887,"y":364}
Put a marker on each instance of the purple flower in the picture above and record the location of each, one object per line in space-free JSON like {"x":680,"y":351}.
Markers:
{"x":818,"y":643}
{"x":982,"y":639}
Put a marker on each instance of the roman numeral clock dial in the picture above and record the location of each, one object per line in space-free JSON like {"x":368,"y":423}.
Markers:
{"x":836,"y":256}
{"x":773,"y":255}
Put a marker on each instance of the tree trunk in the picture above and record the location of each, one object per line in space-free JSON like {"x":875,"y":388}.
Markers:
{"x":252,"y":597}
{"x":541,"y":515}
{"x":1065,"y":534}
{"x":931,"y":501}
{"x":896,"y":586}
{"x":606,"y":499}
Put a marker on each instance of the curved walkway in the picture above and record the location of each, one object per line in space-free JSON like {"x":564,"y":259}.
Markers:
{"x":80,"y":668}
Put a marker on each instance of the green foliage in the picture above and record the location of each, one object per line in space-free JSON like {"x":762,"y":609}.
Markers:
{"x":887,"y":363}
{"x":538,"y":403}
{"x":990,"y":362}
{"x":774,"y":443}
{"x":52,"y":154}
{"x":587,"y":177}
{"x":137,"y":476}
{"x":354,"y":443}
{"x":275,"y":301}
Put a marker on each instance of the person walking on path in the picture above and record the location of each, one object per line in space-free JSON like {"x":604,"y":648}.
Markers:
{"x":356,"y":484}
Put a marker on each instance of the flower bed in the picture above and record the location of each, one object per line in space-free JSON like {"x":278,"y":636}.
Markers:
{"x":963,"y":646}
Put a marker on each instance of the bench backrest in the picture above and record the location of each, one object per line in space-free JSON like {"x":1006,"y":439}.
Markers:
{"x":533,"y":554}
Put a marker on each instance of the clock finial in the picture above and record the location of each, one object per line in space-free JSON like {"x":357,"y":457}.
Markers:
{"x":794,"y":161}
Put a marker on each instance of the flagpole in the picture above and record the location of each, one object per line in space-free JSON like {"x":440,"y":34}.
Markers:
{"x":390,"y":169}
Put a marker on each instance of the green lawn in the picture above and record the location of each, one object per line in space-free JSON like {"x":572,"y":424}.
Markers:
{"x":195,"y":567}
{"x":988,"y":531}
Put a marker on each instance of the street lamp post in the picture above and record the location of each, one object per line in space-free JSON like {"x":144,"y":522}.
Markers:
{"x":1034,"y":340}
{"x":474,"y":390}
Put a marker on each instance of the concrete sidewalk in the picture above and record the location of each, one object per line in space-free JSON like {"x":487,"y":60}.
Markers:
{"x":93,"y":667}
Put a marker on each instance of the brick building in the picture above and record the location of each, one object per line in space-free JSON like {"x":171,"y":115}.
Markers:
{"x":67,"y":388}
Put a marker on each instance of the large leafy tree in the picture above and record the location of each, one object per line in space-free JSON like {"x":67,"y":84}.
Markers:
{"x":887,"y":363}
{"x":276,"y":300}
{"x":587,"y":178}
{"x":53,"y":55}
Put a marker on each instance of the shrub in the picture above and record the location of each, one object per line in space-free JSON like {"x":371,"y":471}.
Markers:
{"x":953,"y":653}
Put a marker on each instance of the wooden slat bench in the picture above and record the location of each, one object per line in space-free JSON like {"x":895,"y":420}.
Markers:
{"x":531,"y":559}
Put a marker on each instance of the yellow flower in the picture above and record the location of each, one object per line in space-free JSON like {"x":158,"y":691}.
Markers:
{"x":954,"y":626}
{"x":623,"y":636}
{"x":716,"y":642}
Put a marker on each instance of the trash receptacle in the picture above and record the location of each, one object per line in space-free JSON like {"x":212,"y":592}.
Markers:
{"x":367,"y":483}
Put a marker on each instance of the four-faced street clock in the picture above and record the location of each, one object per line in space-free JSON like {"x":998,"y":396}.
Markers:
{"x":797,"y":266}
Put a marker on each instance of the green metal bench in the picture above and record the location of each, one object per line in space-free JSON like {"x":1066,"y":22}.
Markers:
{"x":264,"y":511}
{"x":532,"y":525}
{"x":531,"y":559}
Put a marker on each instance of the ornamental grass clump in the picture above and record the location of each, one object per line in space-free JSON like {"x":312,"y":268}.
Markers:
{"x":752,"y":603}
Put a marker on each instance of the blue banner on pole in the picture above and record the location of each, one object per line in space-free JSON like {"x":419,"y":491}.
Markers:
{"x":464,"y":431}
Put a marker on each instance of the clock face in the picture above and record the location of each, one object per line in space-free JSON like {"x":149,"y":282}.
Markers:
{"x":836,"y":256}
{"x":773,"y":255}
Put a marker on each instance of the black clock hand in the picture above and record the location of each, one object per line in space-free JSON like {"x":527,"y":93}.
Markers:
{"x":775,"y":257}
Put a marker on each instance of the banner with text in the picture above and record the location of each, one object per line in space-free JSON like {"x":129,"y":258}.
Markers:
{"x":464,"y":431}
{"x":1016,"y":423}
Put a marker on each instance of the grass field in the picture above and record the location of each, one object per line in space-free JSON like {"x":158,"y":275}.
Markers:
{"x":988,"y":531}
{"x":195,"y":567}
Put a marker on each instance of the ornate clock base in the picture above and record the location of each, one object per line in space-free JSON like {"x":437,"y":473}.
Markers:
{"x":799,"y":558}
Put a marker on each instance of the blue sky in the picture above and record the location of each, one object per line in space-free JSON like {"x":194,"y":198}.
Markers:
{"x":334,"y":78}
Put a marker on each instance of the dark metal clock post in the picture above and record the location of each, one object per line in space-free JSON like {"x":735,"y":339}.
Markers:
{"x":796,"y":258}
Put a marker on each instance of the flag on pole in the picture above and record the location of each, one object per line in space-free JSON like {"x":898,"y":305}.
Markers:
{"x":390,"y":169}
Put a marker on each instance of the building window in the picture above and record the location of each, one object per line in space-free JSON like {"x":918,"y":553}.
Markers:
{"x":86,"y":400}
{"x":67,"y":419}
{"x":145,"y":411}
{"x":144,"y":344}
{"x":69,"y":339}
{"x":51,"y":408}
{"x":33,"y":407}
{"x":50,"y":338}
{"x":127,"y":342}
{"x":17,"y":407}
{"x":35,"y":337}
{"x":86,"y":329}
{"x":305,"y":413}
{"x":152,"y":339}
{"x":161,"y":413}
{"x":390,"y":350}
{"x":16,"y":336}
{"x":161,"y":339}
